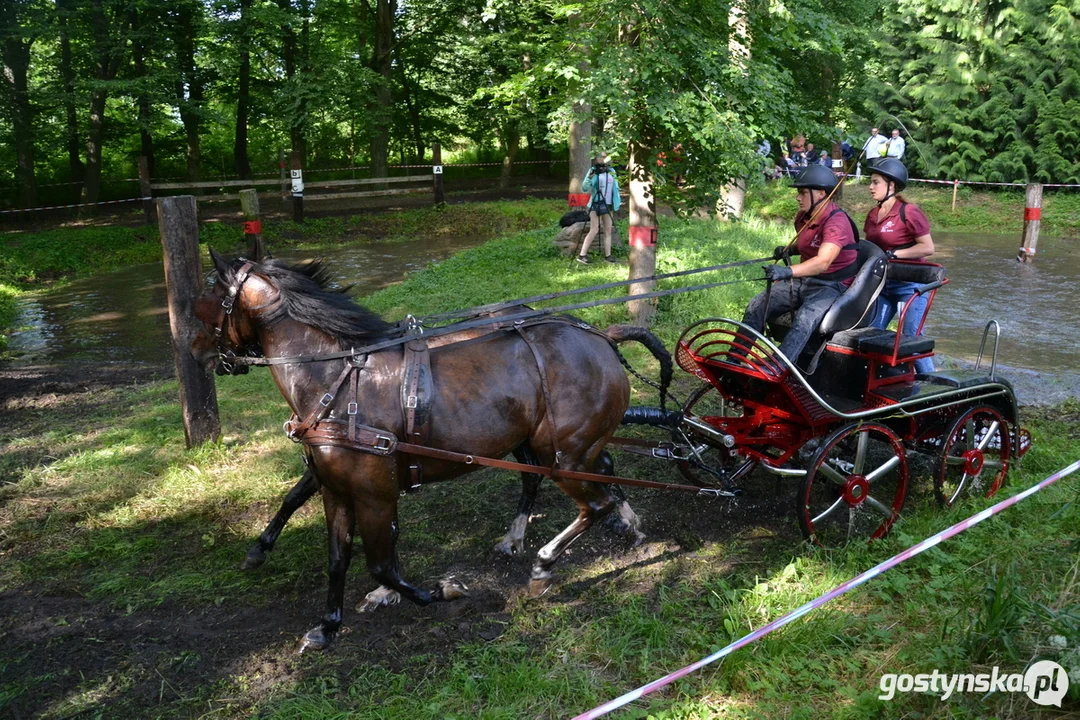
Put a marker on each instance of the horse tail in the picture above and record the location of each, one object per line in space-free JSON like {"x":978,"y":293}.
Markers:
{"x":624,"y":333}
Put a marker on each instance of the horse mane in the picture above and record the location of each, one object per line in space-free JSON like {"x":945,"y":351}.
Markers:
{"x":306,"y":297}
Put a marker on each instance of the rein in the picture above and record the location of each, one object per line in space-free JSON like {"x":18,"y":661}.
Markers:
{"x":500,"y":323}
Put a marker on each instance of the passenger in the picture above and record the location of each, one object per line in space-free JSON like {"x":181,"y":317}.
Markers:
{"x":902,"y":231}
{"x":826,"y":242}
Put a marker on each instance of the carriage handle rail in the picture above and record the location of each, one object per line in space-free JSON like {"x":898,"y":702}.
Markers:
{"x":872,"y":412}
{"x":982,"y":346}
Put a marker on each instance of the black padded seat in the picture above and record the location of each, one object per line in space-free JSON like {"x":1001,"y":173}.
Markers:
{"x":961,"y":378}
{"x":850,"y":338}
{"x":854,"y":308}
{"x":919,"y":273}
{"x":885,"y":340}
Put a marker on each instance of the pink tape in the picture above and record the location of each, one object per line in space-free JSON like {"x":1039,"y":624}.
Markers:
{"x":836,"y":592}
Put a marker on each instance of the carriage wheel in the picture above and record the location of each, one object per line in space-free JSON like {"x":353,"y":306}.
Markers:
{"x":704,"y":402}
{"x":974,"y":456}
{"x":855,"y":486}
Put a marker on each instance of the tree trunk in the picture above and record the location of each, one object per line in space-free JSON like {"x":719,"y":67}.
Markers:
{"x":296,"y":133}
{"x":580,"y":130}
{"x":511,"y":139}
{"x":189,"y":89}
{"x":67,"y":76}
{"x":139,"y":48}
{"x":106,"y":64}
{"x":733,"y":195}
{"x":414,"y":116}
{"x":381,"y":63}
{"x":243,"y":89}
{"x":16,"y":58}
{"x":642,"y":214}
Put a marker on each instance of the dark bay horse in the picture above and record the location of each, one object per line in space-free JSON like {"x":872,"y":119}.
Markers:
{"x":557,"y":389}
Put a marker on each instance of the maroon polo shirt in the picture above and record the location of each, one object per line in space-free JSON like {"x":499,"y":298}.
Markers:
{"x":828,"y":227}
{"x":889,"y":232}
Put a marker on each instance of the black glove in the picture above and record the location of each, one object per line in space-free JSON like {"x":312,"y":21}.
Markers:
{"x":890,"y":255}
{"x":778,"y":272}
{"x":779,"y":252}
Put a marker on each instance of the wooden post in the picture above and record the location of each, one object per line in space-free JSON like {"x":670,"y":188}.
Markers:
{"x":297,"y":175}
{"x":179,"y":228}
{"x":437,"y":173}
{"x":1032,"y":218}
{"x":249,"y":204}
{"x":641,"y":234}
{"x":284,"y":178}
{"x":149,"y":216}
{"x":955,"y":187}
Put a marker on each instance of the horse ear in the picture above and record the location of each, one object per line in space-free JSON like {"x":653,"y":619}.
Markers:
{"x":220,"y":264}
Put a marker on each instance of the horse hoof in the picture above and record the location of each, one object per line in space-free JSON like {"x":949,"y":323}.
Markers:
{"x":378,"y":597}
{"x":255,"y":558}
{"x":452,"y":589}
{"x":509,"y":547}
{"x":538,"y":587}
{"x":315,"y":639}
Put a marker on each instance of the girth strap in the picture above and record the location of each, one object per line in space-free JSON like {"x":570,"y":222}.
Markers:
{"x":416,"y":393}
{"x":548,"y":411}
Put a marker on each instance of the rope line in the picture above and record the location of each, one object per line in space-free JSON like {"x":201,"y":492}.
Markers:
{"x":836,"y":592}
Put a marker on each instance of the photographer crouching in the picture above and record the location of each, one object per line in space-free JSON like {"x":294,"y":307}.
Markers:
{"x":603,"y":186}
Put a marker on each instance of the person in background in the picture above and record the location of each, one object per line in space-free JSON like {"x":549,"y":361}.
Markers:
{"x":826,"y":244}
{"x":825,"y":160}
{"x":903,"y":232}
{"x":896,"y":146}
{"x":601,"y":182}
{"x":873,"y":144}
{"x":812,"y":154}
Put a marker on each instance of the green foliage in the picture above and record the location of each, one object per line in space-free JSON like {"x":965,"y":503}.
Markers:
{"x":989,"y":92}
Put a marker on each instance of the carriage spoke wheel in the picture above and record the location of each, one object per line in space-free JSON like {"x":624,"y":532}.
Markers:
{"x":974,"y":456}
{"x":855,"y":486}
{"x":705,"y":402}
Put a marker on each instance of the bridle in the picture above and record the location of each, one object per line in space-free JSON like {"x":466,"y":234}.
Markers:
{"x":226,"y":356}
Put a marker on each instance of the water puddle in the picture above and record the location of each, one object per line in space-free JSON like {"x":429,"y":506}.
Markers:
{"x":122,"y":315}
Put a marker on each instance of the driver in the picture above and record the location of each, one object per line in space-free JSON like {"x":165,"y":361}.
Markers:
{"x":826,"y":241}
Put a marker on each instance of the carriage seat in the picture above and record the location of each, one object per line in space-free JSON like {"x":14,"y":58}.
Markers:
{"x":881,"y":342}
{"x":853,"y":309}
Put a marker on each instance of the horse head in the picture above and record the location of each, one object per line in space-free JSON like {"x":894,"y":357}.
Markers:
{"x":225,"y":310}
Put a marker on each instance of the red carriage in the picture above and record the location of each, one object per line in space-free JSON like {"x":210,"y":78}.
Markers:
{"x":845,"y":427}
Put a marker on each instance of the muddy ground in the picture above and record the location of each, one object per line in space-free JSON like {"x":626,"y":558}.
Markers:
{"x":176,"y":660}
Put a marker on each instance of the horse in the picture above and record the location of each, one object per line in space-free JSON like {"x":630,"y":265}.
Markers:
{"x":555,"y":387}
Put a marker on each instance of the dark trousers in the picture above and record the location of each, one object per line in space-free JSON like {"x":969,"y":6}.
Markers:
{"x":810,"y":298}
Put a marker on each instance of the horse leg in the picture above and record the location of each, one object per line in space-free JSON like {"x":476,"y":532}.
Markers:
{"x":514,"y":541}
{"x":296,"y":497}
{"x":594,"y":501}
{"x":340,"y":518}
{"x":378,"y":528}
{"x":624,"y":521}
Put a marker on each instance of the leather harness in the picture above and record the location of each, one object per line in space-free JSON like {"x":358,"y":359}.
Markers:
{"x":320,"y":428}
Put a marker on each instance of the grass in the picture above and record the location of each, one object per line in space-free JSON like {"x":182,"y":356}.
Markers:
{"x":102,"y":506}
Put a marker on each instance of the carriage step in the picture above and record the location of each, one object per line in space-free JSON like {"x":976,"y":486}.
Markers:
{"x":643,"y":415}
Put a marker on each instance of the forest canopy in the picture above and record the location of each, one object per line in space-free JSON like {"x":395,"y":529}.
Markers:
{"x":213,"y":88}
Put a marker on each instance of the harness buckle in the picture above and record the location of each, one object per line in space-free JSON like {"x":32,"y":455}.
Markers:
{"x":227,"y":303}
{"x":326,"y":400}
{"x":383,"y":443}
{"x":352,"y":408}
{"x":415,"y":326}
{"x":410,"y":402}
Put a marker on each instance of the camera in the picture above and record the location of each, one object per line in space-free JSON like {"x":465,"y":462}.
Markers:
{"x":600,"y":168}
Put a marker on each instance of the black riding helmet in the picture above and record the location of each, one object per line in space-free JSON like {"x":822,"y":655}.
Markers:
{"x":816,"y":177}
{"x":891,"y":169}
